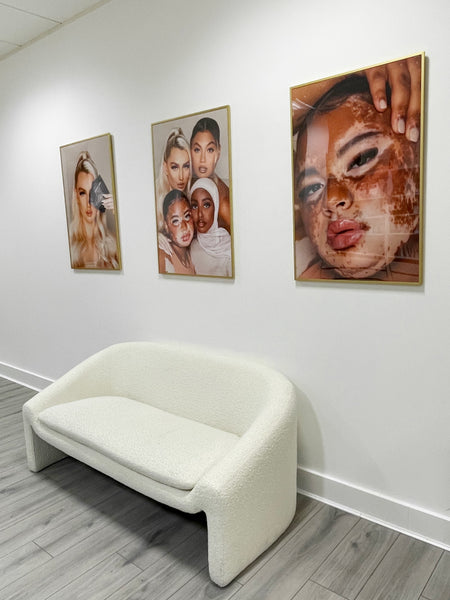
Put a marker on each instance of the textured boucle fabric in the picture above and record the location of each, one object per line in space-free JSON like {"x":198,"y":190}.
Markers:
{"x":165,"y":447}
{"x":248,"y":490}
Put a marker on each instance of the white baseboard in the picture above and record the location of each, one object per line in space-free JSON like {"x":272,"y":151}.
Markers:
{"x":411,"y":520}
{"x":26,"y":378}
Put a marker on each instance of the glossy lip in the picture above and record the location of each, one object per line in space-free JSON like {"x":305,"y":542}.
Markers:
{"x":186,"y":237}
{"x":344,"y":233}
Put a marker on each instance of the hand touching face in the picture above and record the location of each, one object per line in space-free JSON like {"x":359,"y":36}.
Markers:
{"x":357,"y":187}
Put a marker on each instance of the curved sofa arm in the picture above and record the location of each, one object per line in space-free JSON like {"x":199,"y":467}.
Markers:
{"x":251,"y":492}
{"x":88,"y":378}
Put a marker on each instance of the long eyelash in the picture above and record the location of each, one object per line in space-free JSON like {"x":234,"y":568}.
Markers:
{"x":309,"y":190}
{"x":363,"y":158}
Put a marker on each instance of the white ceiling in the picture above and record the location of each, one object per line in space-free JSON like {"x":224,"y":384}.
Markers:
{"x":24,"y":21}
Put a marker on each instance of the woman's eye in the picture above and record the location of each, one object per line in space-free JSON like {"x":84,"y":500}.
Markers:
{"x":309,"y":192}
{"x":175,"y":222}
{"x":194,"y":206}
{"x":211,"y":150}
{"x":363,"y":158}
{"x":207,"y":205}
{"x":174,"y":167}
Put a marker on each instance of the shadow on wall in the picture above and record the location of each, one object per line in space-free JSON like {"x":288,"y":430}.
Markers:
{"x":354,"y":456}
{"x":310,"y":452}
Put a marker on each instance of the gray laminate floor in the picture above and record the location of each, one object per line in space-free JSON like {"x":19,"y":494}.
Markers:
{"x":70,"y":533}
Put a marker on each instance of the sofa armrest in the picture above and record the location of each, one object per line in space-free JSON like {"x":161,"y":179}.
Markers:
{"x":251,"y":492}
{"x":89,"y":378}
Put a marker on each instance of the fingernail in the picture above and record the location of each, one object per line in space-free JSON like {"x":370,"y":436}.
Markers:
{"x":401,"y":125}
{"x":413,"y":134}
{"x":383,"y":104}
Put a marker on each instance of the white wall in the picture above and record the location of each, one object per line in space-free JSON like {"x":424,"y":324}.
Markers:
{"x":372,"y":362}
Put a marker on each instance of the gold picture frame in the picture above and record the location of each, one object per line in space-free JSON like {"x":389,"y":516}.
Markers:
{"x":193,"y":194}
{"x":357,"y":169}
{"x":91,"y":206}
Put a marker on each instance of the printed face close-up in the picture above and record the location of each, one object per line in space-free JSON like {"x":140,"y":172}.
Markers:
{"x":180,"y":224}
{"x":357,"y":185}
{"x":202,"y":210}
{"x":82,"y":189}
{"x":205,"y":154}
{"x":178,"y":169}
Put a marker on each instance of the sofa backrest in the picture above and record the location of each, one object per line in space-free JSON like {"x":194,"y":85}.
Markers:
{"x":224,"y":391}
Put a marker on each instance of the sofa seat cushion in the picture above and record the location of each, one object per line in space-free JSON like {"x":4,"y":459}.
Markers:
{"x":167,"y":448}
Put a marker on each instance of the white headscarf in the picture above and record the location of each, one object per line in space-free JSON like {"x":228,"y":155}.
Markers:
{"x":216,"y":241}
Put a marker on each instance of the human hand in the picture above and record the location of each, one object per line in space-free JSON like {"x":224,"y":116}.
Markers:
{"x":164,"y":244}
{"x":108,"y":201}
{"x":403,"y":77}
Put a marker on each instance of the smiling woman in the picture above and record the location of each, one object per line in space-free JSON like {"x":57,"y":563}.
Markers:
{"x":356,"y":190}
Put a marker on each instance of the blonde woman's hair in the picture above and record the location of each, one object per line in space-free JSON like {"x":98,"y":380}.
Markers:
{"x":105,"y":242}
{"x":176,"y":139}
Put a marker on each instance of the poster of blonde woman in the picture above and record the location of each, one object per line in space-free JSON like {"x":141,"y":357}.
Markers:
{"x":91,"y":210}
{"x":357,"y":176}
{"x":192,"y":168}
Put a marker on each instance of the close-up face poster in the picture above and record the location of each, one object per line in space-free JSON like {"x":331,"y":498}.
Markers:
{"x":357,"y":178}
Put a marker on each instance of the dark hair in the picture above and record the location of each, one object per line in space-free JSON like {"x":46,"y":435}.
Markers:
{"x":353,"y":85}
{"x":207,"y":124}
{"x":171,"y":198}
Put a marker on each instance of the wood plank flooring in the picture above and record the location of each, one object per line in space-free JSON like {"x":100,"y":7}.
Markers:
{"x":70,"y":533}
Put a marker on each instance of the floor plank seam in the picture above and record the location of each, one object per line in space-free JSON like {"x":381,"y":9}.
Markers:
{"x":431,"y":576}
{"x":129,"y":562}
{"x":280,"y":543}
{"x":376,"y":566}
{"x":43,"y":549}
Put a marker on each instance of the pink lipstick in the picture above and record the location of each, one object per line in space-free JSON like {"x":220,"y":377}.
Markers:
{"x":344,"y":233}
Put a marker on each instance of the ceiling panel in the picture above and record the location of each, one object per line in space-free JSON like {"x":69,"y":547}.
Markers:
{"x":6,"y":48}
{"x":17,"y":27}
{"x":23,"y":21}
{"x":58,"y":10}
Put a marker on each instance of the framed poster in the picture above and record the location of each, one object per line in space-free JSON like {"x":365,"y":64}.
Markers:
{"x":192,"y":167}
{"x":357,"y":174}
{"x":91,"y":209}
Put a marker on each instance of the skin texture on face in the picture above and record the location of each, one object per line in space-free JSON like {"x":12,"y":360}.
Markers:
{"x":180,"y":225}
{"x":178,"y":169}
{"x":357,"y":184}
{"x":205,"y":154}
{"x":82,"y":189}
{"x":202,"y":210}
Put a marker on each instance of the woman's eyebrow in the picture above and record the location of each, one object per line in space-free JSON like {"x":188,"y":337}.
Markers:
{"x":306,"y":173}
{"x":358,"y":138}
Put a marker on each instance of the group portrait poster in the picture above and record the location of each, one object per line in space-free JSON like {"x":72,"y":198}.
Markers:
{"x":90,"y":199}
{"x":357,"y":148}
{"x":193,"y":205}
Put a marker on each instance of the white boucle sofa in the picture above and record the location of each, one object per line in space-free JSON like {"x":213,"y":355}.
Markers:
{"x":188,"y":427}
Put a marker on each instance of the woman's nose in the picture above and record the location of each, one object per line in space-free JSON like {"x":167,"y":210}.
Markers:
{"x":338,"y":196}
